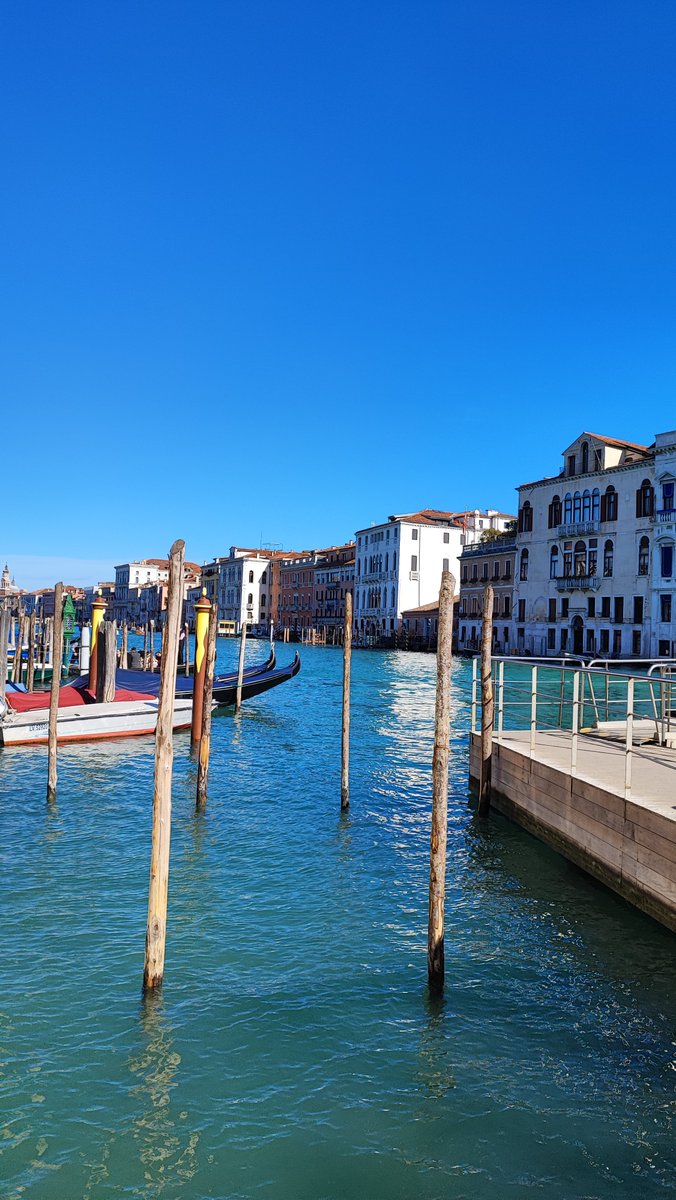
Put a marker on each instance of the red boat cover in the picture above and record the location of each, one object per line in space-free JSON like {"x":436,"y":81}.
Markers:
{"x":69,"y":697}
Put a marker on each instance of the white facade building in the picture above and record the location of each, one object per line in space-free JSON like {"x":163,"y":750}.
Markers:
{"x":245,"y":587}
{"x":663,"y":574}
{"x":399,"y":563}
{"x":130,"y":578}
{"x":595,"y":552}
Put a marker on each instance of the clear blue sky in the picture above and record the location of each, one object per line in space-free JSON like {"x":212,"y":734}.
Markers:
{"x":275,"y":270}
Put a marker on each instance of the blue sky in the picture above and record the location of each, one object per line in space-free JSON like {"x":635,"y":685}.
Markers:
{"x":274,"y":270}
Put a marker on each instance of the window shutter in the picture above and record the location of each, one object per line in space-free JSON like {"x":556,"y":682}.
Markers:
{"x":604,"y":507}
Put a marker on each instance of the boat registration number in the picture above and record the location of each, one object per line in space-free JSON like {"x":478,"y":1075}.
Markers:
{"x":42,"y":728}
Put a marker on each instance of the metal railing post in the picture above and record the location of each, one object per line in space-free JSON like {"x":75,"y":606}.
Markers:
{"x":474,"y":679}
{"x":533,"y":708}
{"x":630,"y":739}
{"x":576,"y":723}
{"x":501,"y":696}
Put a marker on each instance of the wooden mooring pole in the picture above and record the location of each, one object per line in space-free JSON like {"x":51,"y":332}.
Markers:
{"x":156,"y":931}
{"x":18,"y":649}
{"x":442,"y":718}
{"x":187,"y":649}
{"x":110,"y":661}
{"x":240,"y":668}
{"x":487,"y":706}
{"x":205,"y":739}
{"x":30,"y":671}
{"x":124,"y":651}
{"x":54,"y":694}
{"x":345,"y":736}
{"x":4,"y":635}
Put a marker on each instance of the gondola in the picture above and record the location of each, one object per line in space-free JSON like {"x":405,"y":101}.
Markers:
{"x":148,"y":682}
{"x":225,"y":686}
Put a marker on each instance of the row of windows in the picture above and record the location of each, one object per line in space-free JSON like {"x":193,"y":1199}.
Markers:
{"x":506,"y":570}
{"x":379,"y":535}
{"x":590,"y":505}
{"x":472,"y":607}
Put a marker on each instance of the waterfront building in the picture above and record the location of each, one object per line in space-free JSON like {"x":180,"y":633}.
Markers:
{"x":245,"y":588}
{"x":333,"y":578}
{"x":399,"y":563}
{"x":8,"y":587}
{"x":139,"y":593}
{"x":296,"y":605}
{"x":490,"y":561}
{"x":662,"y":562}
{"x":586,"y":552}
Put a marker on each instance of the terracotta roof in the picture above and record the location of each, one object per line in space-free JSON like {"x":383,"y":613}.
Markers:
{"x":616,"y":441}
{"x":426,"y":609}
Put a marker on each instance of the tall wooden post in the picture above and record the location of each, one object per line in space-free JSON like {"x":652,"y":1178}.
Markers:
{"x":487,"y":706}
{"x":345,"y":739}
{"x":202,"y":610}
{"x":124,"y":652}
{"x":145,"y":647}
{"x":18,"y":649}
{"x":151,"y":647}
{"x":4,"y":635}
{"x":187,"y":648}
{"x":54,"y":694}
{"x":156,"y":931}
{"x":110,"y":658}
{"x":98,"y":609}
{"x":240,"y":668}
{"x":442,"y":715}
{"x":30,"y":673}
{"x":48,"y":651}
{"x":205,"y":739}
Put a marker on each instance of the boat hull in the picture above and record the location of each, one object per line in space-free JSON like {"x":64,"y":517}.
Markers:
{"x":91,"y":722}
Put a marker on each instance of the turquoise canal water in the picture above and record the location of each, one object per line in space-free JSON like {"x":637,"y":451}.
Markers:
{"x":293,"y":1053}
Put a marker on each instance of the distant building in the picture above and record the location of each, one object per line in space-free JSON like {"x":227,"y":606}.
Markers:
{"x":491,"y":561}
{"x":333,"y":579}
{"x":140,"y":589}
{"x":399,"y":563}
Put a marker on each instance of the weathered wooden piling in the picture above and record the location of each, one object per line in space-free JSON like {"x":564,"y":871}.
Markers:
{"x":205,"y":738}
{"x":151,"y":647}
{"x":110,"y":660}
{"x":4,"y":635}
{"x":202,"y":610}
{"x":54,"y":694}
{"x":30,"y":671}
{"x":442,"y":717}
{"x":345,"y":737}
{"x":487,"y":706}
{"x":158,"y":890}
{"x":124,"y":651}
{"x":240,"y":668}
{"x":18,"y":649}
{"x":145,"y":647}
{"x":187,"y":649}
{"x":47,"y":650}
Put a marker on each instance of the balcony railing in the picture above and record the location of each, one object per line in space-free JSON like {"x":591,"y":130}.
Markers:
{"x":575,"y":583}
{"x":665,"y":516}
{"x":575,"y":528}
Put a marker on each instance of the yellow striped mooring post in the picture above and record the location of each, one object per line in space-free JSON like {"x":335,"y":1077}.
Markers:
{"x":202,"y":611}
{"x":98,"y":609}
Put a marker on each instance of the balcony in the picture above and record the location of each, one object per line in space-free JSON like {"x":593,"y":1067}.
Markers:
{"x":665,"y":516}
{"x":577,"y":528}
{"x":578,"y":583}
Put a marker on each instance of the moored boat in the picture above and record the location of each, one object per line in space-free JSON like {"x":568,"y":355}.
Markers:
{"x":81,"y":722}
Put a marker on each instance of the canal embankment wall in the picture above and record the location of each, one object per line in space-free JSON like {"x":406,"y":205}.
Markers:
{"x":626,"y":843}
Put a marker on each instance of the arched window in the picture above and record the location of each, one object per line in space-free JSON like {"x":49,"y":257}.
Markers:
{"x":387,"y":562}
{"x":525,"y":522}
{"x":577,"y":507}
{"x":609,"y":504}
{"x":249,"y":600}
{"x":643,"y":555}
{"x":394,"y":559}
{"x":392,"y":601}
{"x":645,"y":499}
{"x":358,"y":568}
{"x":608,"y":559}
{"x":668,"y":496}
{"x":580,"y":559}
{"x":523,"y":566}
{"x":586,"y":505}
{"x":585,"y":456}
{"x":263,"y":600}
{"x":667,"y":561}
{"x":567,"y":508}
{"x":264,"y":577}
{"x":250,"y":576}
{"x":596,"y":504}
{"x":554,"y":562}
{"x":555,"y":512}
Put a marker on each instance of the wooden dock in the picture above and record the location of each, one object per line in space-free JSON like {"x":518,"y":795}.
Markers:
{"x":629,"y":843}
